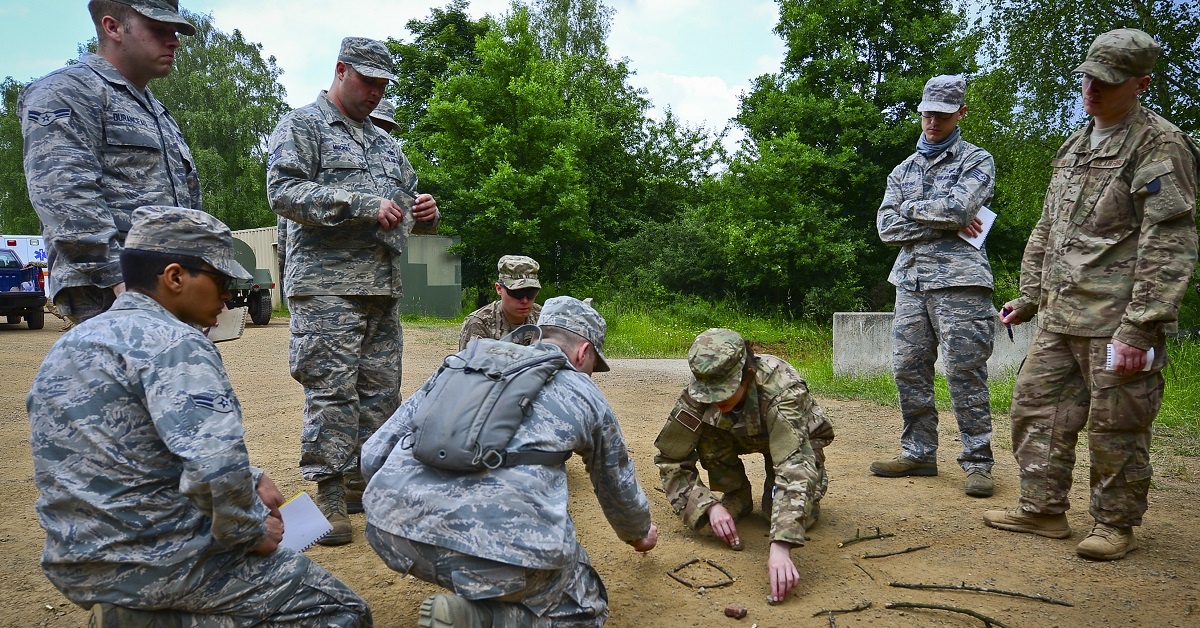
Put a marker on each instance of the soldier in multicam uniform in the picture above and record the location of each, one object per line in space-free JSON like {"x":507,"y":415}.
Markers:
{"x":517,"y":286}
{"x":1105,"y":270}
{"x":349,"y":198}
{"x":98,"y":145}
{"x":148,"y":497}
{"x":740,"y":403}
{"x":503,"y":539}
{"x":943,"y":289}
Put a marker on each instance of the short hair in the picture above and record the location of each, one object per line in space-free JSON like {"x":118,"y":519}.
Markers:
{"x":566,"y":340}
{"x":123,"y":13}
{"x":142,"y":268}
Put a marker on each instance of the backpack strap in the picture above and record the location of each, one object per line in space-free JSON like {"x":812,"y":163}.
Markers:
{"x":513,"y":458}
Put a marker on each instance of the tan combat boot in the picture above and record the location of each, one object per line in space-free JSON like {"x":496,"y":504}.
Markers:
{"x":1017,"y":520}
{"x":1107,"y":543}
{"x":900,"y":467}
{"x":331,"y":499}
{"x":979,"y":483}
{"x":355,"y":485}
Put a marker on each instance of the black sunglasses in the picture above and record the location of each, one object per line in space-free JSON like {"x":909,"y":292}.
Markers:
{"x":222,"y":280}
{"x":523,"y":294}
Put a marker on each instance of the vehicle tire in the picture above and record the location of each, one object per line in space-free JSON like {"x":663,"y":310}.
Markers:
{"x":260,"y":307}
{"x":36,"y":318}
{"x":13,"y":319}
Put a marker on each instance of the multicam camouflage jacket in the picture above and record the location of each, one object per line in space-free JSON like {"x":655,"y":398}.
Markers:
{"x":97,"y":148}
{"x":489,"y":322}
{"x":1116,"y":243}
{"x":138,"y":453}
{"x":515,"y":515}
{"x":926,"y":204}
{"x":327,"y":175}
{"x":780,"y":417}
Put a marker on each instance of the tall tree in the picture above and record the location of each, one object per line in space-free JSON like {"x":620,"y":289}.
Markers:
{"x":16,"y":212}
{"x":572,"y":28}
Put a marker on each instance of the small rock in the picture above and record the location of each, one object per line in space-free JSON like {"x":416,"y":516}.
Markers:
{"x":736,"y":611}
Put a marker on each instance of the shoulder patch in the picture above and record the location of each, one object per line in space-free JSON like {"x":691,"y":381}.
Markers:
{"x":44,"y":118}
{"x":687,"y":419}
{"x":216,"y":402}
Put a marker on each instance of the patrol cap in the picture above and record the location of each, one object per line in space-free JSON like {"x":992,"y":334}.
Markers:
{"x":717,"y":360}
{"x":1119,"y":55}
{"x":163,"y":11}
{"x":180,"y":231}
{"x":579,"y":318}
{"x":385,"y":111}
{"x":943,"y":93}
{"x":368,"y":57}
{"x":518,"y":271}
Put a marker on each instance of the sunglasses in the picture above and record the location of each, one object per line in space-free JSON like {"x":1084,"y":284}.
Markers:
{"x":524,"y":294}
{"x":222,"y":280}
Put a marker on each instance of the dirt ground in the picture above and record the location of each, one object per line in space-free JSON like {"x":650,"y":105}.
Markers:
{"x":1154,"y":586}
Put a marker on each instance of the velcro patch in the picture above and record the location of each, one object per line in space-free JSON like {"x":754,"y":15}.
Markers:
{"x":215,"y":402}
{"x":687,"y":419}
{"x":44,"y":118}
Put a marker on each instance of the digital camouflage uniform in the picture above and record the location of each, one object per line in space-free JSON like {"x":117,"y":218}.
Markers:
{"x":147,"y":496}
{"x":943,"y":297}
{"x":1110,"y":258}
{"x":778,"y":419}
{"x":506,"y":535}
{"x":97,"y":148}
{"x":326,"y":177}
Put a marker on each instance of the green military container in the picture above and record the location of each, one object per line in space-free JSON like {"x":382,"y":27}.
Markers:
{"x":253,"y":294}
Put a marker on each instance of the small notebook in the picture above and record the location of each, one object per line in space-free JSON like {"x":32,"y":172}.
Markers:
{"x":1108,"y":358}
{"x":229,"y":326}
{"x":988,"y":218}
{"x":303,"y":523}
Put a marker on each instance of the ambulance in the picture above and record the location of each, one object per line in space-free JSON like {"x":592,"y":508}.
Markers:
{"x":29,"y":249}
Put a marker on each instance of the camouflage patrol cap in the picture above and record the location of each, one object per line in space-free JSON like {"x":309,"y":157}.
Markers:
{"x":163,"y":11}
{"x":182,"y":231}
{"x":368,"y":57}
{"x":1119,"y":55}
{"x":717,"y":360}
{"x":518,"y":271}
{"x":943,"y":93}
{"x":579,"y":318}
{"x":385,"y":112}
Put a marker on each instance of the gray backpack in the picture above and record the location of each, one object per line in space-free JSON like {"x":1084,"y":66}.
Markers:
{"x":477,"y":400}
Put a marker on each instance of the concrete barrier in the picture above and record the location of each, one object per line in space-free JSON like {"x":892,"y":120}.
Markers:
{"x":862,"y":345}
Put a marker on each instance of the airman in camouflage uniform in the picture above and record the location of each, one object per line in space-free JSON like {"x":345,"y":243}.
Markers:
{"x":943,"y":289}
{"x":148,"y":497}
{"x":517,"y":286}
{"x":98,"y":145}
{"x":740,"y":403}
{"x":503,"y":539}
{"x":349,"y":198}
{"x":1106,"y":266}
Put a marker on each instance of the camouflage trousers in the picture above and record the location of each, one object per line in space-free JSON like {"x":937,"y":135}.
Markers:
{"x":720,"y":453}
{"x":282,"y":588}
{"x":345,"y":351}
{"x":79,"y":303}
{"x":516,"y":596}
{"x":1061,"y":388}
{"x":961,"y":321}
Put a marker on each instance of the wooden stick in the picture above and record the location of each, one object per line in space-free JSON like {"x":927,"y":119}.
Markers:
{"x":685,"y":564}
{"x":964,"y":587}
{"x":842,"y":611}
{"x":720,"y":568}
{"x":988,"y":622}
{"x":857,"y":537}
{"x":860,"y":568}
{"x":903,"y":551}
{"x":679,"y":580}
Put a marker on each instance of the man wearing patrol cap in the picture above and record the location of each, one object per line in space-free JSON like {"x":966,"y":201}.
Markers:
{"x":517,"y":286}
{"x":350,"y":202}
{"x":1104,"y":270}
{"x":740,"y":403}
{"x":182,"y":526}
{"x":512,"y":536}
{"x":943,"y":289}
{"x":98,"y":145}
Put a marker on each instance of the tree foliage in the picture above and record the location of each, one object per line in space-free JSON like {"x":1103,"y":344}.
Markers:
{"x":16,"y":212}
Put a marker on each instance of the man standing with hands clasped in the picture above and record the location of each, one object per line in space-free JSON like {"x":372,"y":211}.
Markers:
{"x":1105,"y":270}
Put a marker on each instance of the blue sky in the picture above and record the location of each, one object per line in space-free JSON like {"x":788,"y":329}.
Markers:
{"x":695,"y":56}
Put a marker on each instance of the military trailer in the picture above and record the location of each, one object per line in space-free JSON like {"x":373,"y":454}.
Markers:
{"x":253,"y":294}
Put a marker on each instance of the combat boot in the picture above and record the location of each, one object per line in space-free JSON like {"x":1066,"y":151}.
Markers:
{"x":452,"y":611}
{"x":331,"y":499}
{"x":105,"y":615}
{"x":1017,"y":520}
{"x":900,"y":466}
{"x":1107,"y":543}
{"x":355,"y":485}
{"x":979,"y":483}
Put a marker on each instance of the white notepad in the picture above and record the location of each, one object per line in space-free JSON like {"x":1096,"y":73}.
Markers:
{"x":988,"y":218}
{"x":229,"y":326}
{"x":303,"y":523}
{"x":1108,"y":358}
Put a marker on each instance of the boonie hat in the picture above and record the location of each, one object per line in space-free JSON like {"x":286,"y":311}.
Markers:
{"x":368,"y":57}
{"x":518,"y":271}
{"x":163,"y":11}
{"x":1119,"y":55}
{"x":182,"y":231}
{"x":717,"y":360}
{"x":943,"y":93}
{"x":579,"y":318}
{"x":385,"y":111}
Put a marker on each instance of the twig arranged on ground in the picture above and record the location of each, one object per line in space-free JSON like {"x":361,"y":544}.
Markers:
{"x":674,"y":573}
{"x":842,"y":611}
{"x":860,"y":568}
{"x":832,"y":621}
{"x":858,"y":537}
{"x":964,"y":587}
{"x":988,"y":622}
{"x":903,"y":551}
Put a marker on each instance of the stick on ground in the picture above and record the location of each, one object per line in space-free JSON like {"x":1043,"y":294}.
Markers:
{"x":964,"y":587}
{"x":858,"y":537}
{"x":842,"y":611}
{"x":903,"y":551}
{"x":988,"y":622}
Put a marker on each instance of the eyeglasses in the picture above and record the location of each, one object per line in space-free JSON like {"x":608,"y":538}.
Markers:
{"x":222,"y":280}
{"x":930,"y":115}
{"x":524,"y":294}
